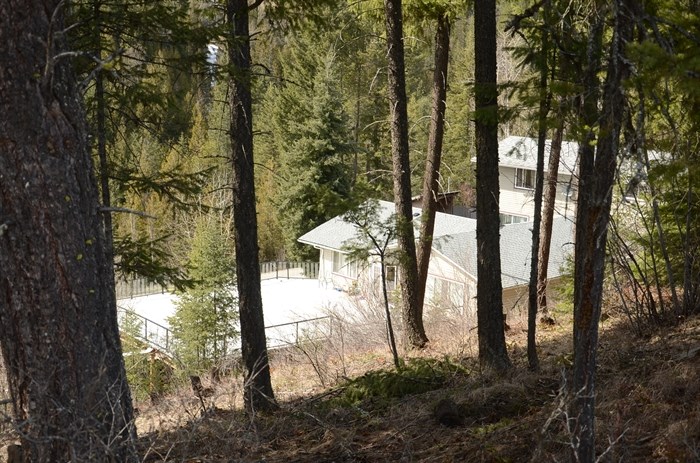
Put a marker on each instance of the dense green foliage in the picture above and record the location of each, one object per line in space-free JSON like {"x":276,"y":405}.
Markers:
{"x":309,"y":141}
{"x":414,"y":377}
{"x":320,"y":118}
{"x":205,"y":321}
{"x":149,"y":371}
{"x":141,"y":65}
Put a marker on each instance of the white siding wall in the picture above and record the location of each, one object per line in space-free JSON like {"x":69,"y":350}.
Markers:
{"x":514,"y":299}
{"x":325,"y":267}
{"x":519,"y":201}
{"x":514,"y":201}
{"x":337,"y":279}
{"x":442,"y":269}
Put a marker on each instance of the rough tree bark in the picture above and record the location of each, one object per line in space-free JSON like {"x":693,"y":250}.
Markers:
{"x":411,"y":308}
{"x":545,"y":101}
{"x":587,"y":109}
{"x":433,"y":160}
{"x":258,"y":394}
{"x":689,"y":256}
{"x":58,"y":319}
{"x":387,"y":313}
{"x":596,"y":182}
{"x":492,"y":344}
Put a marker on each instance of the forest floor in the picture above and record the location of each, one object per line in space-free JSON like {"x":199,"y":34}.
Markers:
{"x":648,"y":405}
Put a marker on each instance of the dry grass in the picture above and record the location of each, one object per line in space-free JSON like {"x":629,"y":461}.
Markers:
{"x":648,"y":406}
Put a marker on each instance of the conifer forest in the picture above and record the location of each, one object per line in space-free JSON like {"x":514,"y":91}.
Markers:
{"x":499,"y":197}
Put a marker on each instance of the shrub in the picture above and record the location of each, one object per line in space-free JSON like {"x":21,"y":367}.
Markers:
{"x":416,"y":376}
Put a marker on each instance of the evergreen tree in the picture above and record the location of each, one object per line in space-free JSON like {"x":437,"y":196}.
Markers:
{"x":258,"y":393}
{"x":140,"y":66}
{"x":148,"y":373}
{"x":458,"y":146}
{"x":316,"y":179}
{"x":411,"y":307}
{"x":431,"y":181}
{"x":538,"y":55}
{"x":205,"y":321}
{"x":596,"y":180}
{"x":360,"y":57}
{"x":668,"y":122}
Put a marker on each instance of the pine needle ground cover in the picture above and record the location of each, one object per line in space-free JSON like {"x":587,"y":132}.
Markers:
{"x":648,"y":408}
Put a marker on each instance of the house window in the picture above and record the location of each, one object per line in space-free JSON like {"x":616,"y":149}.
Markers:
{"x":507,"y":219}
{"x":338,"y":261}
{"x":343,"y":266}
{"x":525,"y":178}
{"x":390,"y":277}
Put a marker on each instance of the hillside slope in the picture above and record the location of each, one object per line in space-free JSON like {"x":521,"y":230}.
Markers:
{"x":648,"y":410}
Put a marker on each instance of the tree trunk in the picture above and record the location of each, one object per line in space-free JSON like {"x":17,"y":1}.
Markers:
{"x":593,"y":215}
{"x":58,"y":319}
{"x":670,"y":274}
{"x":638,"y":134}
{"x":432,"y":163}
{"x":387,"y":312}
{"x":585,"y":329}
{"x":545,"y":100}
{"x":688,"y":253}
{"x":549,"y":199}
{"x":258,"y":393}
{"x":492,"y":344}
{"x":411,"y":308}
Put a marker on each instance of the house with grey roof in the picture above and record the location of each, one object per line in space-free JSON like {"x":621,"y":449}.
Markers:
{"x":452,"y":269}
{"x":333,"y":238}
{"x":517,"y":166}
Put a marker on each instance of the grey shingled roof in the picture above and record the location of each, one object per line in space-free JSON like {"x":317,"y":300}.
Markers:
{"x":516,"y":244}
{"x":521,"y":152}
{"x":336,"y":232}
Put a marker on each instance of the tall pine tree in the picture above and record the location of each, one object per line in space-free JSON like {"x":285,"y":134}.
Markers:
{"x":313,"y":151}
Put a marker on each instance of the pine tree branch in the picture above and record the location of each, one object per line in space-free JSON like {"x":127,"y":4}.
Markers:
{"x":127,"y":210}
{"x":514,"y":24}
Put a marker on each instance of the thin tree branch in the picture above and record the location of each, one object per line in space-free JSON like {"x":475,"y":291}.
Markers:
{"x":127,"y":210}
